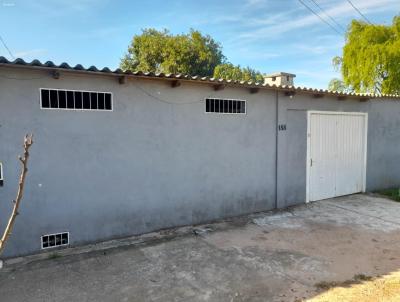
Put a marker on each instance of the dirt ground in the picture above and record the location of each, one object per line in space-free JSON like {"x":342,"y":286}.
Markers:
{"x":343,"y":249}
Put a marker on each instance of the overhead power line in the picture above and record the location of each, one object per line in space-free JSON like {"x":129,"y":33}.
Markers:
{"x":359,"y":12}
{"x":322,"y":19}
{"x":6,"y":47}
{"x":329,"y":16}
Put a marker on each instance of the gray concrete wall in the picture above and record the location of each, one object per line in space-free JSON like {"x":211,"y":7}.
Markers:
{"x":158,"y":160}
{"x":383,"y":167}
{"x":145,"y":166}
{"x":295,"y":161}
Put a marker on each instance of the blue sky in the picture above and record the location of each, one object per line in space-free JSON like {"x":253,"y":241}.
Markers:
{"x":269,"y":35}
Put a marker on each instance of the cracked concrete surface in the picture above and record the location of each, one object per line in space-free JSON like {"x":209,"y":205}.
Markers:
{"x":272,"y":256}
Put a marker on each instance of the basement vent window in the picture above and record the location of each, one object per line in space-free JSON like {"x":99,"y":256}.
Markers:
{"x":225,"y":106}
{"x":75,"y":99}
{"x":54,"y":240}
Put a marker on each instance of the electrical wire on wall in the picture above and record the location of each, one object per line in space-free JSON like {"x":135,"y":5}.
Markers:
{"x":169,"y":102}
{"x":144,"y":91}
{"x":22,"y":79}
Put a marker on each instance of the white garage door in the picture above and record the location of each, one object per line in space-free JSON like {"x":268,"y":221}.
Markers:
{"x":336,"y":154}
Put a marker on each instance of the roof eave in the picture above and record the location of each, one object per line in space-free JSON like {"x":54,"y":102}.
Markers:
{"x":79,"y":69}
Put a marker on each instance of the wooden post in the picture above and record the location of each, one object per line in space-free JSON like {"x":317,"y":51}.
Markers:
{"x":24,"y":169}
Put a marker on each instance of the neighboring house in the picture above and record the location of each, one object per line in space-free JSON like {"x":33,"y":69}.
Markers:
{"x":118,"y":154}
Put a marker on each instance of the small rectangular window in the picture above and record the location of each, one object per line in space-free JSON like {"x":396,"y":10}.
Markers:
{"x":208,"y":102}
{"x":225,"y":106}
{"x":78,"y":100}
{"x":93,"y":100}
{"x":100,"y":103}
{"x":54,"y":240}
{"x":45,"y":99}
{"x":75,"y":100}
{"x":53,"y":99}
{"x":70,"y":100}
{"x":62,"y":99}
{"x":86,"y":100}
{"x":107,"y":102}
{"x":216,"y":105}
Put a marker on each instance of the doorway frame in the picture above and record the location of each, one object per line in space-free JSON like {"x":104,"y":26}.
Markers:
{"x":308,"y":157}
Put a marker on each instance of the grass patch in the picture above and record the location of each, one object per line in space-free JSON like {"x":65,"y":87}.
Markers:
{"x":324,"y":285}
{"x":362,"y":277}
{"x":391,"y":193}
{"x":54,"y":256}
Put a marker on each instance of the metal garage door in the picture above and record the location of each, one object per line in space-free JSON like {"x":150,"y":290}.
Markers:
{"x":336,"y":154}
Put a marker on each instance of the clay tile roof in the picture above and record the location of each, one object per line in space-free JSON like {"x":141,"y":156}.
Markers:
{"x":167,"y":76}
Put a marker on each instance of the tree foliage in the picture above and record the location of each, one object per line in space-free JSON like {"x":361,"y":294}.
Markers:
{"x":237,"y":73}
{"x":371,"y":57}
{"x":192,"y":53}
{"x":338,"y":85}
{"x":160,"y":51}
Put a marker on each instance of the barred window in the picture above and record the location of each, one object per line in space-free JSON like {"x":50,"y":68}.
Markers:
{"x":75,"y":99}
{"x":225,"y":106}
{"x":54,"y":240}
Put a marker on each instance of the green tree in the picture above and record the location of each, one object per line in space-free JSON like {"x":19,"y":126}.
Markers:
{"x":160,"y":51}
{"x":338,"y":85}
{"x":371,"y":57}
{"x":237,"y":73}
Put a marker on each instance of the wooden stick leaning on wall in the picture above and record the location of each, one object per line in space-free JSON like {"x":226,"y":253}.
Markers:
{"x":24,"y":169}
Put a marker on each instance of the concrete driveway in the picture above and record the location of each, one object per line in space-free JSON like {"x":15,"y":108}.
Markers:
{"x":273,"y":256}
